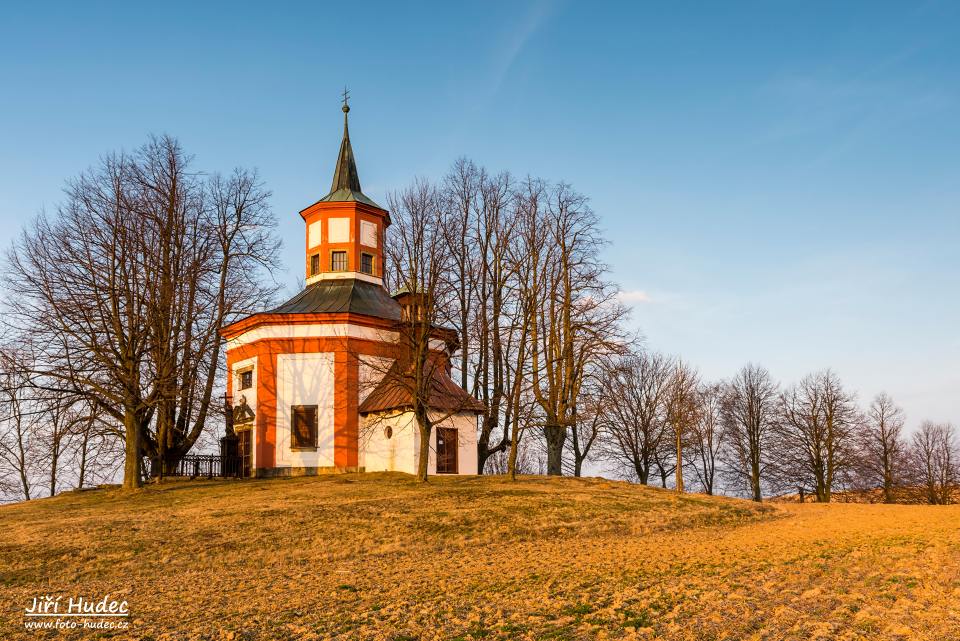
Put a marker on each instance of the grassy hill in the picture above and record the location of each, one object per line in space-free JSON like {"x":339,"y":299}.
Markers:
{"x":378,"y":557}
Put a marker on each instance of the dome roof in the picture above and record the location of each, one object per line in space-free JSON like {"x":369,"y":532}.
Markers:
{"x":342,"y":296}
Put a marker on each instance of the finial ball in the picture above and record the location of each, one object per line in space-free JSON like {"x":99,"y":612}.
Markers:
{"x":346,"y":109}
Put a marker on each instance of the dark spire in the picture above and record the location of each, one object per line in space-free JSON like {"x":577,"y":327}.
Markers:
{"x":346,"y":180}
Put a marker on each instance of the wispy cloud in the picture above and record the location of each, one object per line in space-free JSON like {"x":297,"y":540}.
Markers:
{"x":634,"y":297}
{"x":506,"y":48}
{"x":514,"y":40}
{"x":847,"y":106}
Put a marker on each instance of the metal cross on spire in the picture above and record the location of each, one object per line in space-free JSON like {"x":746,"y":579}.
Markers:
{"x":346,"y":97}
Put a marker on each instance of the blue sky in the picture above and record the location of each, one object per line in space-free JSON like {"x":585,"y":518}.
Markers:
{"x":780,"y":180}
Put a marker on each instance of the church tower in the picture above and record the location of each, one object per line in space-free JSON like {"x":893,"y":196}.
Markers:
{"x":345,"y":228}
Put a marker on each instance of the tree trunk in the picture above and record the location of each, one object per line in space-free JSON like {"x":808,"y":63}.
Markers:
{"x":81,"y":476}
{"x":484,"y":451}
{"x":643,"y":473}
{"x":755,"y":486}
{"x":24,"y":481}
{"x":512,"y":461}
{"x":54,"y":459}
{"x":131,"y":460}
{"x":555,"y":435}
{"x":821,"y":489}
{"x":514,"y":443}
{"x":679,"y":470}
{"x":423,"y":423}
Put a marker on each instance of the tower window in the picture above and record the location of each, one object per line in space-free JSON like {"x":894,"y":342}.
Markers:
{"x":338,"y":261}
{"x":303,"y":434}
{"x":246,"y":379}
{"x":315,"y":264}
{"x":366,"y":263}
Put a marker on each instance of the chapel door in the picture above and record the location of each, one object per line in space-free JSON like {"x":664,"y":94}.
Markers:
{"x":447,"y":446}
{"x":245,"y":450}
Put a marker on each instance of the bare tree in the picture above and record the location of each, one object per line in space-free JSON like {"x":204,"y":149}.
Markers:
{"x":526,"y":257}
{"x":479,"y":231}
{"x":681,"y":412}
{"x":592,"y":412}
{"x":59,"y":418}
{"x":495,"y":319}
{"x":419,"y":259}
{"x":127,"y":286}
{"x":882,"y":451}
{"x":578,"y":317}
{"x":934,"y":456}
{"x":664,"y":458}
{"x":82,"y":288}
{"x":639,"y":389}
{"x":461,"y":193}
{"x":214,"y":243}
{"x":816,"y":432}
{"x":707,"y":435}
{"x":749,"y":416}
{"x":18,"y":419}
{"x":95,"y":456}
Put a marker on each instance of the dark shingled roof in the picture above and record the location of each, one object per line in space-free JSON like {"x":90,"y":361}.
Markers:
{"x":346,"y":180}
{"x":393,"y":393}
{"x":342,"y":296}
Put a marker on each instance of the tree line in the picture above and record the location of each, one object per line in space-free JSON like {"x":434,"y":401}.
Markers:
{"x":752,"y":436}
{"x":516,"y":269}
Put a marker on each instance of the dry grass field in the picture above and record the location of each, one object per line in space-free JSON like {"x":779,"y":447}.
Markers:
{"x":377,"y":557}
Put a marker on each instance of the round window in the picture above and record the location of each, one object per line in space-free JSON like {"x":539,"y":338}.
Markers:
{"x":388,"y":432}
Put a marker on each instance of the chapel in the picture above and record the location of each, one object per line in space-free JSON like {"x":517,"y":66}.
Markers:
{"x":312,"y":384}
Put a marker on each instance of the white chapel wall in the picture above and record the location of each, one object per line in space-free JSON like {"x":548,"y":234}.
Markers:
{"x":401,"y":451}
{"x":387,"y":443}
{"x":305,"y":379}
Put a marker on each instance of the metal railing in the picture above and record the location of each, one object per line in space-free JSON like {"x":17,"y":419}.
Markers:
{"x":205,"y":466}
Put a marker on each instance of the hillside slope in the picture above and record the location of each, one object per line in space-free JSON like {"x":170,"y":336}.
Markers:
{"x":480,"y":558}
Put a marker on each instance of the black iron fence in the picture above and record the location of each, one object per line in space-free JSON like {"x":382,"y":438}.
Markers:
{"x":204,"y":466}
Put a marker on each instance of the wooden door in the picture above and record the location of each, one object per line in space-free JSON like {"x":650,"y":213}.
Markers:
{"x":246,"y":449}
{"x":447,"y":446}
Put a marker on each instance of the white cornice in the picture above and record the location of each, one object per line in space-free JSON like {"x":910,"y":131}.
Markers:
{"x":344,"y":275}
{"x":321,"y":330}
{"x":312,"y":330}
